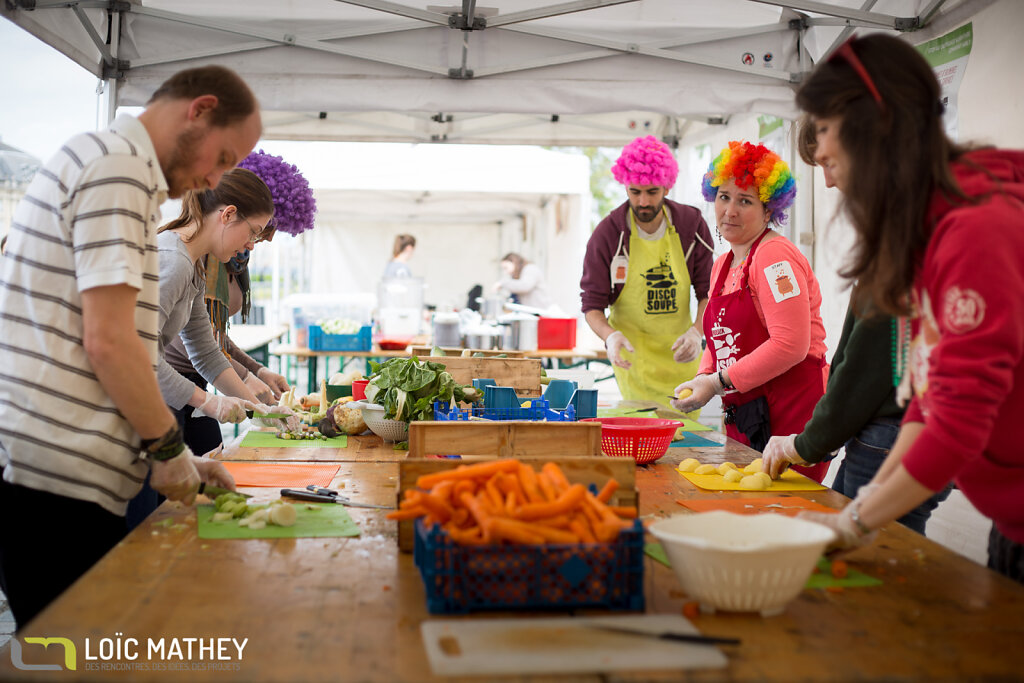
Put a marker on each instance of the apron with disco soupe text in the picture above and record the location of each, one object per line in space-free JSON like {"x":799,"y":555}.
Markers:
{"x":781,"y":406}
{"x":652,"y":310}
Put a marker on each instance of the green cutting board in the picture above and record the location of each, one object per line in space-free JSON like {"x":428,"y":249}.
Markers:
{"x":256,"y":439}
{"x":324,"y":520}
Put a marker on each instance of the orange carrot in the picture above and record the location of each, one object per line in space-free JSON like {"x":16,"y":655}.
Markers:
{"x":565,"y":502}
{"x":557,"y":476}
{"x":464,"y":486}
{"x":528,"y":479}
{"x":608,"y":528}
{"x":407,"y":513}
{"x":624,"y":511}
{"x":460,"y":517}
{"x":510,"y":502}
{"x":470,"y":536}
{"x":514,"y":532}
{"x":437,"y":507}
{"x":444,"y":491}
{"x":497,"y":500}
{"x":610,"y":487}
{"x":478,"y":470}
{"x":579,"y":526}
{"x":482,"y":517}
{"x":546,"y":487}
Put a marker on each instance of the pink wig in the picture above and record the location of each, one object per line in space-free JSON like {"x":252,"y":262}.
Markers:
{"x":646,"y":161}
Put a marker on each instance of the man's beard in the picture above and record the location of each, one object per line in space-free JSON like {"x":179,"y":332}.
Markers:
{"x":648,"y":213}
{"x":183,"y":156}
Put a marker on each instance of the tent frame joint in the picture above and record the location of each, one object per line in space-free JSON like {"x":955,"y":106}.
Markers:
{"x":117,"y":70}
{"x":459,"y":21}
{"x":460,"y":73}
{"x":907,"y":24}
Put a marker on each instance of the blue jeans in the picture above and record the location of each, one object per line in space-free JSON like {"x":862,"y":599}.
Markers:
{"x":1005,"y":556}
{"x":865,"y":454}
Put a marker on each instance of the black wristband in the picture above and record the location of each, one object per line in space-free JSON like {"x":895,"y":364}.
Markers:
{"x":164,"y":447}
{"x":725,"y":385}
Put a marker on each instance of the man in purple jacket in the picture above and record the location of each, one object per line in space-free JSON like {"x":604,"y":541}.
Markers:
{"x":641,"y":262}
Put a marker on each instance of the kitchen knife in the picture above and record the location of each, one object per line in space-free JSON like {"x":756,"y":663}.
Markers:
{"x":268,"y":416}
{"x":211,"y":491}
{"x":322,"y":498}
{"x":666,"y":635}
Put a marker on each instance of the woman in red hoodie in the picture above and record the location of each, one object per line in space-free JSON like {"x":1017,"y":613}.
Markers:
{"x":939,"y":236}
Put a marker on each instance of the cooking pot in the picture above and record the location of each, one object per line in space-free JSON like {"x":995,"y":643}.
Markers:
{"x":483,"y":338}
{"x":446,"y":329}
{"x":519,"y":332}
{"x":492,"y":306}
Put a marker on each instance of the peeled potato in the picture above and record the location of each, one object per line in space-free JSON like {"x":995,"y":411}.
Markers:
{"x":282,"y":515}
{"x":706,"y":469}
{"x":755,"y":466}
{"x":689,"y":465}
{"x":685,"y":393}
{"x":725,"y":467}
{"x":753,"y":483}
{"x":763,"y":476}
{"x":733,"y":476}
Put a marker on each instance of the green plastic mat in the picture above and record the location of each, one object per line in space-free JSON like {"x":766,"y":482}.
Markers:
{"x":257,"y":439}
{"x":315,"y":520}
{"x":688,"y":424}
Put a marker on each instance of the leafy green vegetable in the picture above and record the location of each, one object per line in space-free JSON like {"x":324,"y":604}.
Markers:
{"x":408,"y":387}
{"x":437,"y":351}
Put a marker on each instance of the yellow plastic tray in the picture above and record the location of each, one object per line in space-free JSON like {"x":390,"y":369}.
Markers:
{"x":789,"y":481}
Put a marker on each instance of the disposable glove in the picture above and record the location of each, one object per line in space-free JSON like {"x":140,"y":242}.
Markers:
{"x":213,"y":472}
{"x":177,"y":478}
{"x":688,"y":347}
{"x":703,"y":388}
{"x":277,"y":383}
{"x":224,"y":408}
{"x":849,"y":534}
{"x":258,"y":387}
{"x":614,"y":343}
{"x":779,"y":454}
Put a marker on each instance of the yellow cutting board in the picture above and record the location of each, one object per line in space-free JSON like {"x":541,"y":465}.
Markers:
{"x":789,"y":481}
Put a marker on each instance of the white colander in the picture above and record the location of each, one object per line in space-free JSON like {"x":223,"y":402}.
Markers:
{"x":742,"y":563}
{"x":373,"y":416}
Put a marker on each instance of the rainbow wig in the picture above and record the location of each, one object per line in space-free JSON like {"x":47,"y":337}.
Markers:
{"x":646,"y":161}
{"x":755,"y":165}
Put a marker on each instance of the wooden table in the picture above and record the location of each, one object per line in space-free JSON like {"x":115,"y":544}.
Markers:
{"x":350,"y":609}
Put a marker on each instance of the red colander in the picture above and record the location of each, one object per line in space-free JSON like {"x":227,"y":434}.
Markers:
{"x":644,"y":439}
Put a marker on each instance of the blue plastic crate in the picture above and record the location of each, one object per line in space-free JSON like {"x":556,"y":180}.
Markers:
{"x":460,"y":579}
{"x":538,"y":410}
{"x":321,"y":341}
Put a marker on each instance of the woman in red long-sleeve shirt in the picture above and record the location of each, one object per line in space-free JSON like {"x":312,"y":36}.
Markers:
{"x":940,"y":235}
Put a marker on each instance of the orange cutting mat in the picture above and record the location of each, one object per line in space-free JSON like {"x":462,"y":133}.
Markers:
{"x":789,"y":481}
{"x":293,"y":474}
{"x":783,"y":505}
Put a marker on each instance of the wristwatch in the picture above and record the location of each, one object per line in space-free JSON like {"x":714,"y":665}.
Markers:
{"x":163,"y":447}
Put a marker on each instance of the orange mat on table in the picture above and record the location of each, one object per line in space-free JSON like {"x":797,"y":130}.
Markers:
{"x":292,"y":474}
{"x":783,"y":505}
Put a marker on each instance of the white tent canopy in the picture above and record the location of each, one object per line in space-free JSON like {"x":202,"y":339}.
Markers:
{"x":583,"y":72}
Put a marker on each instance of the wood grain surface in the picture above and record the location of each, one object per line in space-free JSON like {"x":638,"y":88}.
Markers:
{"x":350,"y":609}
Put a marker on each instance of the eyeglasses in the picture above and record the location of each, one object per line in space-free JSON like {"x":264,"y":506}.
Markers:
{"x":846,"y":52}
{"x":258,"y":234}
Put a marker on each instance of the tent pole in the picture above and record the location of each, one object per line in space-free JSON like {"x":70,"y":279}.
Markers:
{"x":107,"y":87}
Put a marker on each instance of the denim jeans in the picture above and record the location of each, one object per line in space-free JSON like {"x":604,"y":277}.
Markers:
{"x":865,"y":454}
{"x":1005,"y":556}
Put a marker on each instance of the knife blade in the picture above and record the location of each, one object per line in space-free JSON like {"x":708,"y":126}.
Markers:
{"x":698,"y":638}
{"x":322,"y":498}
{"x":211,"y":491}
{"x":266,"y":416}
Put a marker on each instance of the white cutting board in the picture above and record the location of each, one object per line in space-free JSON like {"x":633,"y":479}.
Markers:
{"x":561,"y":645}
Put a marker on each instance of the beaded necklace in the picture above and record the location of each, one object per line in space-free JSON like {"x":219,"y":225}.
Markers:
{"x":899,"y":330}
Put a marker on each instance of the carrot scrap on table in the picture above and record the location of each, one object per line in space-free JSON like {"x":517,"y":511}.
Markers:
{"x":507,"y":501}
{"x":691,"y":609}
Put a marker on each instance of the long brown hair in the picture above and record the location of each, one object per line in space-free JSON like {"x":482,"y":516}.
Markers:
{"x":401,"y":242}
{"x":517,"y":262}
{"x":899,"y":157}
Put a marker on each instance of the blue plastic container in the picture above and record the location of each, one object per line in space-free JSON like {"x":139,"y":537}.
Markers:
{"x":559,"y":393}
{"x":480,"y":384}
{"x":460,"y":579}
{"x":536,"y":411}
{"x":321,"y":341}
{"x":585,"y":403}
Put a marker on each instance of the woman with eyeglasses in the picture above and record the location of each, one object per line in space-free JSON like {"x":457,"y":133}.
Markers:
{"x":766,"y":343}
{"x":939,"y":237}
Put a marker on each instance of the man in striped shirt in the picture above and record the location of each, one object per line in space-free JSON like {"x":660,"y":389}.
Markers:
{"x":82,"y":420}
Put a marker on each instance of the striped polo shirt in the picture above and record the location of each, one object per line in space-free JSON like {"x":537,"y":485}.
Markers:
{"x":89,"y":219}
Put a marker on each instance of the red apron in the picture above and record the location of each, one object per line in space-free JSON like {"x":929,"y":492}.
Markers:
{"x":733,"y":330}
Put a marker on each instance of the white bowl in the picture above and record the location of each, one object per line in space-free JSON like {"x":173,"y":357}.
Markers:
{"x":742,"y":563}
{"x":373,"y":416}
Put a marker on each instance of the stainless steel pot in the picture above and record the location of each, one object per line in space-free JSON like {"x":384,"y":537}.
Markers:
{"x":446,"y":329}
{"x":491,"y":307}
{"x":483,"y":340}
{"x":519,"y":332}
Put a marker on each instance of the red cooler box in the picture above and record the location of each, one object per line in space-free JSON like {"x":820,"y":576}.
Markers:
{"x":556,"y":333}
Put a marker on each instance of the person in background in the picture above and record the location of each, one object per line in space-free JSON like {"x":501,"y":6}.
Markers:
{"x":82,"y":421}
{"x":940,"y":237}
{"x":401,"y":252}
{"x":228,"y":293}
{"x":859,"y":409}
{"x":766,"y":341}
{"x":641,"y":262}
{"x":525,"y":280}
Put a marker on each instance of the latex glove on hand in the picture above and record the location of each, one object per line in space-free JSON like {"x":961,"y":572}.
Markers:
{"x":779,"y":454}
{"x":849,"y":536}
{"x":277,"y":383}
{"x":703,"y":387}
{"x":688,"y":347}
{"x":213,"y":472}
{"x":615,"y":343}
{"x":258,"y":387}
{"x":177,"y":478}
{"x":224,"y":408}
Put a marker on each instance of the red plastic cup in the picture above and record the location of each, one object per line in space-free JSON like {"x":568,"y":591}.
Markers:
{"x":359,"y":389}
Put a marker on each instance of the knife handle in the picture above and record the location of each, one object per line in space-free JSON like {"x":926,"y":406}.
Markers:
{"x":308,"y":495}
{"x":697,"y":638}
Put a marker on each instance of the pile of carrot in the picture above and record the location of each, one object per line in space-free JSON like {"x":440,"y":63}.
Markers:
{"x":507,"y":501}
